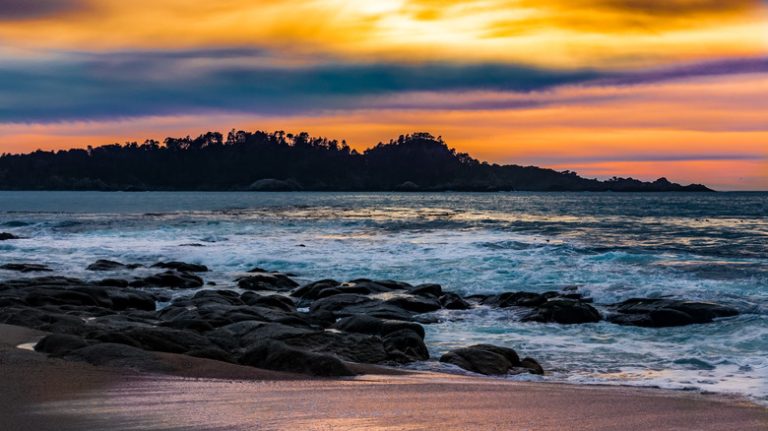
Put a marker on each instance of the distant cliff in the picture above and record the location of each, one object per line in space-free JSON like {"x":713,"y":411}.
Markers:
{"x":280,"y":161}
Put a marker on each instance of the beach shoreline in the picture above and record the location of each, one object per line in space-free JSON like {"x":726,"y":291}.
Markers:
{"x":39,"y":393}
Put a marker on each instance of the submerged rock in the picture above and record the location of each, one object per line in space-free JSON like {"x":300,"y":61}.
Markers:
{"x":5,"y":236}
{"x":662,"y":312}
{"x":181,"y":266}
{"x":110,"y":265}
{"x":25,"y":267}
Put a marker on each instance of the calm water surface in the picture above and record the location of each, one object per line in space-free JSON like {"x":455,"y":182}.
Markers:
{"x":614,"y":246}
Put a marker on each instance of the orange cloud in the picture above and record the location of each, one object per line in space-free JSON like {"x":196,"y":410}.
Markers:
{"x":613,"y":33}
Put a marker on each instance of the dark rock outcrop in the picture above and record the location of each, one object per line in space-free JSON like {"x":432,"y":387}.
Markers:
{"x":5,"y":236}
{"x":662,"y":312}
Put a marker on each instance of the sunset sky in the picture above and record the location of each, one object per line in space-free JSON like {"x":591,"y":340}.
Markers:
{"x":643,"y":88}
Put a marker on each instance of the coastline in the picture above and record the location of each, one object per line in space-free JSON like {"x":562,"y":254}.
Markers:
{"x":203,"y":394}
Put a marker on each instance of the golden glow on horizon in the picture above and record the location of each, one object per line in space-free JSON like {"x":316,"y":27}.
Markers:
{"x":548,"y":32}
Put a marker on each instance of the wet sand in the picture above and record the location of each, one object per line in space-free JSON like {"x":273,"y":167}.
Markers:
{"x":37,"y":393}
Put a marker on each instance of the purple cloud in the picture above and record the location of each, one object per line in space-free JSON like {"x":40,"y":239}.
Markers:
{"x":25,"y":9}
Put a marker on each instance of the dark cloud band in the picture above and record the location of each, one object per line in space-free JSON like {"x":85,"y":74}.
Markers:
{"x":131,"y":84}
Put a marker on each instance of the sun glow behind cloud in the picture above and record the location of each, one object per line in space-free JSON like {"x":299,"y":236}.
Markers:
{"x":590,"y":85}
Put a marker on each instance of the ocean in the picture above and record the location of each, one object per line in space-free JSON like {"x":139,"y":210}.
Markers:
{"x":700,"y":246}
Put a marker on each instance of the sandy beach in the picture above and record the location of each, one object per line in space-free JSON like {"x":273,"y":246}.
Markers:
{"x":198,"y":394}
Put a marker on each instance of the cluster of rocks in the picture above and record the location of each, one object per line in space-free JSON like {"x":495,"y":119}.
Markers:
{"x":272,"y":322}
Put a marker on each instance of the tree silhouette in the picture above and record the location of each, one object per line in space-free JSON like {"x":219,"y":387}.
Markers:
{"x":290,"y":161}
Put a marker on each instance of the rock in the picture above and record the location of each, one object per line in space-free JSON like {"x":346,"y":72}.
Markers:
{"x":405,"y":346}
{"x":514,"y":299}
{"x":277,"y":302}
{"x":388,"y":285}
{"x":267,"y":281}
{"x":532,"y":366}
{"x":25,"y":267}
{"x":160,"y":339}
{"x":348,"y":304}
{"x":313,"y":290}
{"x":257,"y":270}
{"x":5,"y":236}
{"x":181,"y":266}
{"x":171,"y":279}
{"x":325,"y":288}
{"x":46,"y":281}
{"x":250,"y":332}
{"x":228,"y":297}
{"x":415,"y":304}
{"x":563,"y":311}
{"x":662,"y":312}
{"x":60,"y":344}
{"x":222,"y":314}
{"x":370,"y":325}
{"x":43,"y":320}
{"x":361,"y":348}
{"x":114,"y":282}
{"x":428,"y":290}
{"x":189,"y":325}
{"x":483,"y":359}
{"x":128,"y":299}
{"x":273,"y":355}
{"x":338,"y":303}
{"x":452,"y":301}
{"x":109,"y":265}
